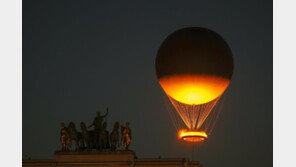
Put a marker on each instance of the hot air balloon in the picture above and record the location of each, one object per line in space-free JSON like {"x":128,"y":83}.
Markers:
{"x":194,"y":67}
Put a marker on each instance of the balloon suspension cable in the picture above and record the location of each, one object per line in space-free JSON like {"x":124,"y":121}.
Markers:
{"x":174,"y":116}
{"x":216,"y":115}
{"x":213,"y":116}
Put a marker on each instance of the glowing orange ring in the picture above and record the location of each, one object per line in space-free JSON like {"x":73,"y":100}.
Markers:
{"x":192,"y":136}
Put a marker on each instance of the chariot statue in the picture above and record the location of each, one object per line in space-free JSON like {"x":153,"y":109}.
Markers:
{"x":98,"y":138}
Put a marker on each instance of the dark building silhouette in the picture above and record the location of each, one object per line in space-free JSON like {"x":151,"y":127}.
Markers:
{"x":110,"y":159}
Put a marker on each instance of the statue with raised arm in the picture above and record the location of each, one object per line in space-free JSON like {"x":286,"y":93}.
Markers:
{"x":126,"y":136}
{"x":65,"y":138}
{"x":97,"y":123}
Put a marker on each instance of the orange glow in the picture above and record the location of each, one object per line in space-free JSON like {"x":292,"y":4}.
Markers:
{"x":193,"y":89}
{"x":192,"y":136}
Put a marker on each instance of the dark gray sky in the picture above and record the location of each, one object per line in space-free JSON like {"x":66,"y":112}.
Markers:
{"x":82,"y":56}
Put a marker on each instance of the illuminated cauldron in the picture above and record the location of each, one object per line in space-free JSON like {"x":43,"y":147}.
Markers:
{"x":194,"y":67}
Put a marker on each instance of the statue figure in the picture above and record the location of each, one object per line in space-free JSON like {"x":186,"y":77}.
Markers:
{"x":65,"y":138}
{"x":97,"y":123}
{"x":103,"y":137}
{"x":76,"y":136}
{"x":126,"y":136}
{"x":114,"y":136}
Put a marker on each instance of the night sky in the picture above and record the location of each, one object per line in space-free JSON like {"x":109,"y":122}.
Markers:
{"x":84,"y":56}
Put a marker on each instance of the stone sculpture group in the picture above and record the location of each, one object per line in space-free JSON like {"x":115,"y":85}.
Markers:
{"x":96,"y":139}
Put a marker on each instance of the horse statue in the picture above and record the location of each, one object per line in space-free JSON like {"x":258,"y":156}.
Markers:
{"x":88,"y":137}
{"x":103,"y":137}
{"x":114,"y":136}
{"x":76,"y":136}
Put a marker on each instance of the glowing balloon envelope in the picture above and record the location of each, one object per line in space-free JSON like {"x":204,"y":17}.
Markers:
{"x":194,"y":67}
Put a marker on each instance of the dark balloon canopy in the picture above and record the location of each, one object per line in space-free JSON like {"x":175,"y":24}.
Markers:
{"x":194,"y":65}
{"x":194,"y":50}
